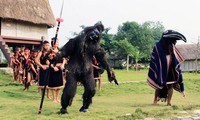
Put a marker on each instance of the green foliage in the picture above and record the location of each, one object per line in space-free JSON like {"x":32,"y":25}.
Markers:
{"x":107,"y":40}
{"x":124,"y":47}
{"x":132,"y":38}
{"x":141,"y":36}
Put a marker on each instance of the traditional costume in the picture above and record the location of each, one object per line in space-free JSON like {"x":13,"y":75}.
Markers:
{"x":15,"y":64}
{"x":21,"y":67}
{"x":56,"y":77}
{"x":33,"y":69}
{"x":43,"y":74}
{"x":164,"y":71}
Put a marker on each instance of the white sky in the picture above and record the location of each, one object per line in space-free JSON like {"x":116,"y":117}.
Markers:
{"x":180,"y":15}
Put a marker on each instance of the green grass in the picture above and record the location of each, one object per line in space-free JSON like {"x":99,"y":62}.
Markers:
{"x":131,"y":75}
{"x":127,"y":101}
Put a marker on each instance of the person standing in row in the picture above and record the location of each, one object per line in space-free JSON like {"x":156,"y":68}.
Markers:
{"x":27,"y":75}
{"x":30,"y":70}
{"x":21,"y":67}
{"x":42,"y":61}
{"x":15,"y":64}
{"x":34,"y":67}
{"x":56,"y":74}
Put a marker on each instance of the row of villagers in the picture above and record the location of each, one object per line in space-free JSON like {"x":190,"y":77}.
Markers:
{"x":23,"y":22}
{"x":26,"y":22}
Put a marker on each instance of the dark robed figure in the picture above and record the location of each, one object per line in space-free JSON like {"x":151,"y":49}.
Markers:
{"x":80,"y":52}
{"x":164,"y":72}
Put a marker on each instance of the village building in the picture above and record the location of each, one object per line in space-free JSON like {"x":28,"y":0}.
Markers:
{"x":191,"y":53}
{"x":24,"y":22}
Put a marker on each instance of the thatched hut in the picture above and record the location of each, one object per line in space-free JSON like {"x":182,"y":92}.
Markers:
{"x":191,"y":53}
{"x":24,"y":22}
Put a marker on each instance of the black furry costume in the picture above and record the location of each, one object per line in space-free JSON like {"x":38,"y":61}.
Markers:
{"x":80,"y":51}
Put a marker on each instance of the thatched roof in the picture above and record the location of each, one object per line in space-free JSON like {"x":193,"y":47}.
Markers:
{"x":189,"y":51}
{"x":32,"y":11}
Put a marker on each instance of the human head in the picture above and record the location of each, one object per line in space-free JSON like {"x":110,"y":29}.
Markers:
{"x":16,"y":52}
{"x":53,"y":43}
{"x":45,"y":45}
{"x":22,"y":48}
{"x":34,"y":53}
{"x":26,"y":51}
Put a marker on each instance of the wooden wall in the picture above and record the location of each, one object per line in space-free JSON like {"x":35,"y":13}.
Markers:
{"x":190,"y":65}
{"x":23,"y":29}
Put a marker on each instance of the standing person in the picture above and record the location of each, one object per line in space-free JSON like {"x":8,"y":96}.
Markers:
{"x":21,"y":67}
{"x":97,"y":71}
{"x":56,"y":71}
{"x":15,"y":64}
{"x":27,"y":74}
{"x":30,"y":69}
{"x":33,"y":66}
{"x":165,"y":72}
{"x":42,"y":61}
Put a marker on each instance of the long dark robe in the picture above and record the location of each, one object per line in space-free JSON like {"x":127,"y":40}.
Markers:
{"x":157,"y":75}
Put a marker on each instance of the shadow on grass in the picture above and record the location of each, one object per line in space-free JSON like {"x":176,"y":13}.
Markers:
{"x":10,"y":84}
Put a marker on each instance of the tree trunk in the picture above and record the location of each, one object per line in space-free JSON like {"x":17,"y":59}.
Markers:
{"x":136,"y":64}
{"x":127,"y":63}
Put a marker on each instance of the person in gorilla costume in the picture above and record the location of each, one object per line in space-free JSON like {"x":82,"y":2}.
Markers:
{"x":164,"y":71}
{"x":80,"y":52}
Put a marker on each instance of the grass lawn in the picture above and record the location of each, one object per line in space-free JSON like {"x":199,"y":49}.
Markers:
{"x":131,"y":100}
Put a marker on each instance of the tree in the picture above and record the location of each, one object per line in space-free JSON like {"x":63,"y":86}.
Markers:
{"x":106,"y":41}
{"x":126,"y":49}
{"x":143,"y":36}
{"x":140,"y":37}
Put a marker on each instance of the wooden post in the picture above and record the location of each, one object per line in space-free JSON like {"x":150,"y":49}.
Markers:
{"x":127,"y":63}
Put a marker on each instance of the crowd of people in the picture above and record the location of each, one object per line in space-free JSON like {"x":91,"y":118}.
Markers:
{"x":44,"y":67}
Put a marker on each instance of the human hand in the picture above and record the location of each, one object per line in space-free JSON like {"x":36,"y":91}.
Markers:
{"x":55,"y":69}
{"x":55,"y":51}
{"x":62,"y":66}
{"x":43,"y":67}
{"x":52,"y":65}
{"x":111,"y":77}
{"x":47,"y":62}
{"x":37,"y":75}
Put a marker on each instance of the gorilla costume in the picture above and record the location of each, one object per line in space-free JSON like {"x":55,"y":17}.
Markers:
{"x":80,"y":52}
{"x":164,"y":71}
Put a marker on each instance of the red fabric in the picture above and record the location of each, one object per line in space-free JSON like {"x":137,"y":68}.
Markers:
{"x":59,"y":20}
{"x":95,"y":61}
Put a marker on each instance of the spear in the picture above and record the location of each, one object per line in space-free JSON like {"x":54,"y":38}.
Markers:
{"x":43,"y":93}
{"x":59,"y":20}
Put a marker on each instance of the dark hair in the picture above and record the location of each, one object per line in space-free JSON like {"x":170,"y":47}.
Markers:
{"x":16,"y":49}
{"x":34,"y":50}
{"x":45,"y":42}
{"x":52,"y":40}
{"x":26,"y":48}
